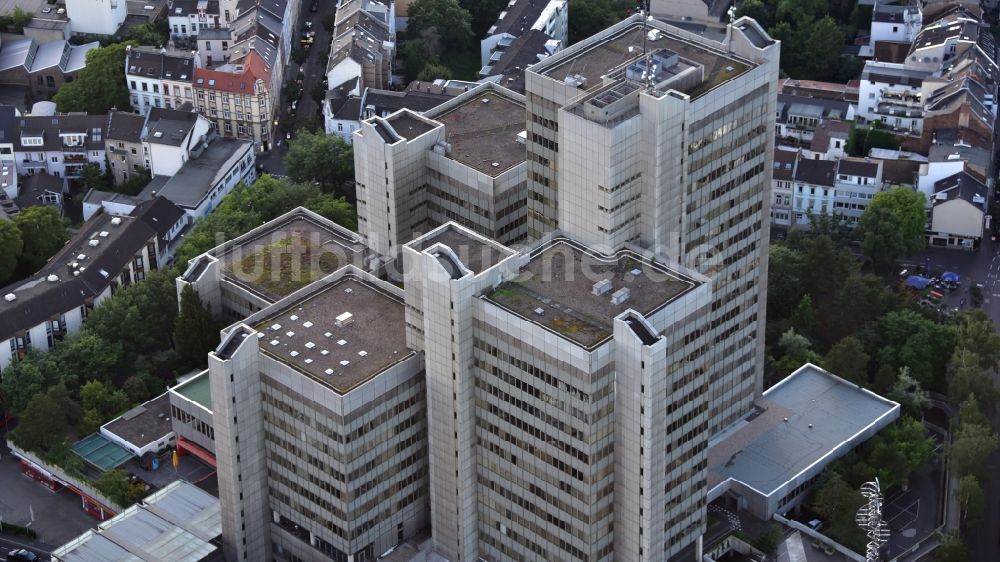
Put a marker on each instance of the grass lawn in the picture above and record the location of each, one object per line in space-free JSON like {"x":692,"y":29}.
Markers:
{"x":285,"y":266}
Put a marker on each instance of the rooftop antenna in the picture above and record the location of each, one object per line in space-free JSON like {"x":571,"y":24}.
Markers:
{"x":869,"y":519}
{"x":729,"y":28}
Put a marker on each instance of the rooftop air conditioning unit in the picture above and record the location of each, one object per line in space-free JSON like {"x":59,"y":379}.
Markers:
{"x":620,"y":296}
{"x":601,"y":287}
{"x":345,"y":319}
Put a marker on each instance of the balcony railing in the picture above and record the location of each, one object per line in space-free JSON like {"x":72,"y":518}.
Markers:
{"x":75,"y":158}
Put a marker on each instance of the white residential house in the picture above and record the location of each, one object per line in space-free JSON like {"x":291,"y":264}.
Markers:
{"x":813,"y":194}
{"x":97,"y":17}
{"x":893,"y":94}
{"x":186,"y":18}
{"x":898,"y":22}
{"x":159,"y":78}
{"x":957,"y":212}
{"x":858,"y":180}
{"x":170,"y":136}
{"x":109,"y":252}
{"x":520,"y":16}
{"x":59,"y":145}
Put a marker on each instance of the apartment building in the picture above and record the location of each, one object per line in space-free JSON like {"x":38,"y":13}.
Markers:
{"x":814,"y":182}
{"x":171,"y":137}
{"x":957,"y":212}
{"x":42,"y":67}
{"x":858,"y":180}
{"x":782,"y":186}
{"x":239,"y":102}
{"x":97,"y":17}
{"x":676,"y":166}
{"x":462,"y":161}
{"x":186,"y":18}
{"x":362,"y":48}
{"x":123,"y":145}
{"x":159,"y":78}
{"x":893,"y":22}
{"x":109,"y":252}
{"x":59,"y":145}
{"x":519,"y":17}
{"x":798,"y":117}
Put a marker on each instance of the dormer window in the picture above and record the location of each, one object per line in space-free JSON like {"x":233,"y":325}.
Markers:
{"x":31,"y":141}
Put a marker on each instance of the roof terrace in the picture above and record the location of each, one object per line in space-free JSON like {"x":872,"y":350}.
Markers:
{"x":341,"y":336}
{"x":576,"y":292}
{"x":483,"y":132}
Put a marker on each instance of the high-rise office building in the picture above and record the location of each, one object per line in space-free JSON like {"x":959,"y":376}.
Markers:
{"x":565,"y":398}
{"x":462,"y":161}
{"x":319,"y":412}
{"x":648,"y":134}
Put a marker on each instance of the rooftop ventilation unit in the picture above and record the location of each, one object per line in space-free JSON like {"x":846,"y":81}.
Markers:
{"x":601,"y":287}
{"x":293,"y":317}
{"x":294,"y":353}
{"x":273,"y":342}
{"x":363,"y":353}
{"x":345,"y":363}
{"x":289,"y":333}
{"x":275,"y":326}
{"x":310,"y":345}
{"x":116,"y":221}
{"x":341,"y":342}
{"x":10,"y":297}
{"x":345,"y":319}
{"x":539,"y":311}
{"x":328,"y":371}
{"x":620,"y":296}
{"x":307,"y":324}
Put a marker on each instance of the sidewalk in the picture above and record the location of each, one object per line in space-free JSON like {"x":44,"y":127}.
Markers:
{"x":24,"y":542}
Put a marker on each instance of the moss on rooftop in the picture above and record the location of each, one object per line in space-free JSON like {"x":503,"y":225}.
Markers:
{"x":284,"y":266}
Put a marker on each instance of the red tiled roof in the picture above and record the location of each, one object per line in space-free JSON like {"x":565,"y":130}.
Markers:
{"x":254,"y":69}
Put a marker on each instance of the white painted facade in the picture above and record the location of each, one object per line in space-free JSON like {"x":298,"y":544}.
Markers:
{"x":98,"y":17}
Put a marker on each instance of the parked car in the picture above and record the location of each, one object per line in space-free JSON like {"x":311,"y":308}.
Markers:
{"x":22,"y":555}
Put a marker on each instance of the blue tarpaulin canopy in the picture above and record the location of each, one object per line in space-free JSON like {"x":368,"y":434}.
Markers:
{"x":951,"y":277}
{"x":917,"y":282}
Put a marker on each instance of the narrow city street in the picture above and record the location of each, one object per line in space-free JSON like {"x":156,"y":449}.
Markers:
{"x":314,"y":70}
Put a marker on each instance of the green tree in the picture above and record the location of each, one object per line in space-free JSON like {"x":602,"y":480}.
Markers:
{"x":837,"y":502}
{"x":319,"y":157}
{"x":951,"y":549}
{"x":969,"y":412}
{"x":137,"y":388}
{"x":100,"y":85}
{"x":484,"y":14}
{"x":104,"y":399}
{"x":587,"y":17}
{"x":968,"y":378}
{"x":42,"y":423}
{"x":971,"y":448}
{"x":11,"y":246}
{"x":415,"y":57}
{"x":136,"y":182}
{"x":784,"y":280}
{"x":893,"y":226}
{"x":976,"y":331}
{"x":972,"y":499}
{"x":299,"y":54}
{"x":336,"y":209}
{"x":432,"y":71}
{"x":824,"y":48}
{"x":139,"y":317}
{"x":769,"y":540}
{"x":756,"y":9}
{"x":899,"y":450}
{"x":908,"y":392}
{"x":906,"y":338}
{"x":92,"y":177}
{"x":115,"y":485}
{"x":43,"y":233}
{"x":796,"y":351}
{"x":847,"y":359}
{"x":149,"y":34}
{"x":447,"y":18}
{"x":804,"y":318}
{"x":196,"y":333}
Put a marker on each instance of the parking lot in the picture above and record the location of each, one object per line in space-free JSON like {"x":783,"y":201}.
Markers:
{"x":57,"y":517}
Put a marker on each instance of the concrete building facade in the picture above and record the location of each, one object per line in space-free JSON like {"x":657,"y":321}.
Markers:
{"x":461,"y":161}
{"x":681,"y":166}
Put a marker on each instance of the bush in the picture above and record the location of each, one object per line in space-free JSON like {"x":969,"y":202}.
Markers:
{"x":17,"y":530}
